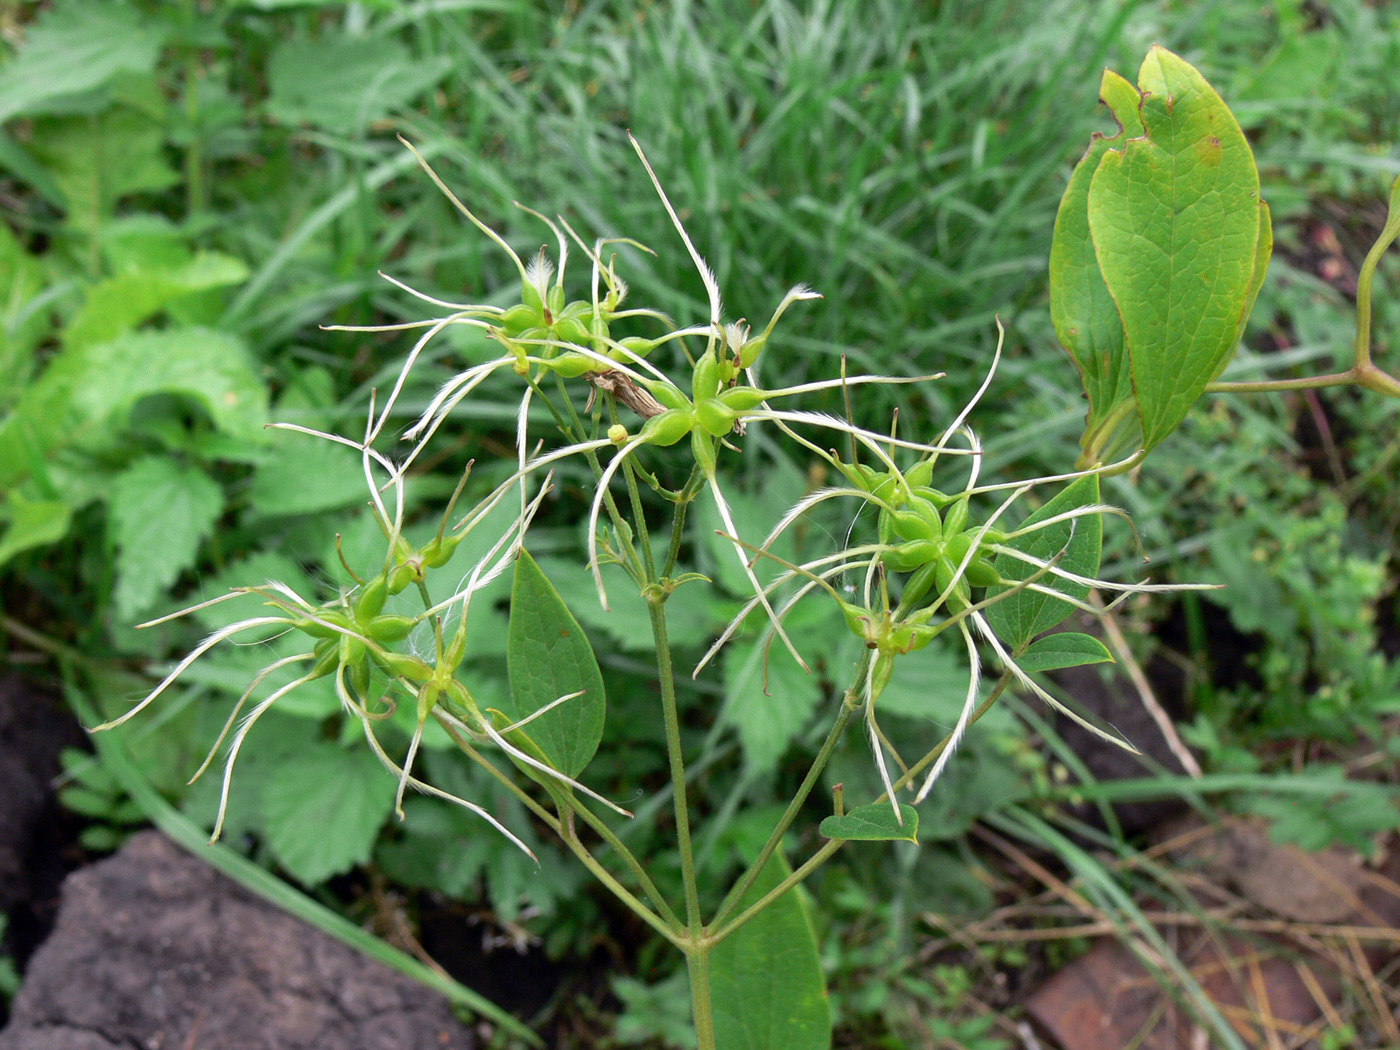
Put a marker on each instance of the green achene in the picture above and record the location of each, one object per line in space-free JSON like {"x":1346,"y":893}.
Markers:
{"x":1161,"y":245}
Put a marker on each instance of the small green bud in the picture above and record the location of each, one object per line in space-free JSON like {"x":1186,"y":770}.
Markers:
{"x":618,"y":435}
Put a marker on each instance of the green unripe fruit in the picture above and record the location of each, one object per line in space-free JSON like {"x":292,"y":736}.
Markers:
{"x":389,"y":628}
{"x":438,"y":552}
{"x":958,"y":546}
{"x":404,"y":665}
{"x":531,"y":299}
{"x":668,"y":395}
{"x":352,"y":651}
{"x":920,"y":583}
{"x":714,"y":417}
{"x":911,"y":556}
{"x":635,"y":346}
{"x":519,"y":318}
{"x":704,"y":382}
{"x":571,"y":330}
{"x":909,"y":525}
{"x":370,"y":601}
{"x":359,"y":679}
{"x":945,"y":571}
{"x":554,"y":299}
{"x":571,"y":364}
{"x":920,"y":474}
{"x":938,"y":499}
{"x":981,"y":574}
{"x":955,"y":517}
{"x":322,"y":629}
{"x":402,"y":575}
{"x":667,"y":428}
{"x":743,"y":398}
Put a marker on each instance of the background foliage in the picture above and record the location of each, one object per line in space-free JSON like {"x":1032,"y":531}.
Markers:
{"x":191,"y":188}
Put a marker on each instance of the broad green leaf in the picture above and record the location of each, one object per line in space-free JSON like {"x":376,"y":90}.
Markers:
{"x":873,"y":823}
{"x":1174,"y":215}
{"x":304,"y":474}
{"x":323,"y":808}
{"x":345,"y":83}
{"x":1084,"y":313}
{"x":32,"y":523}
{"x":767,"y":722}
{"x":1063,"y":649}
{"x":158,"y":514}
{"x":118,"y":304}
{"x":548,"y":657}
{"x":72,"y":49}
{"x":84,"y":388}
{"x":95,"y":161}
{"x":1019,"y":618}
{"x":1263,"y":251}
{"x":766,"y":979}
{"x":23,"y":320}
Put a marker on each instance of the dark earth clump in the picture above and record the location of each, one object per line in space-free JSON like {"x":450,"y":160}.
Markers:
{"x":154,"y":949}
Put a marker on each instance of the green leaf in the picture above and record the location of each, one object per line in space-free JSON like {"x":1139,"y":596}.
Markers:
{"x":1084,"y":313}
{"x":35,"y":523}
{"x":873,"y":823}
{"x":96,"y":161}
{"x":159,"y":513}
{"x":304,"y":474}
{"x":344,"y":83}
{"x":1025,"y":614}
{"x":767,"y":721}
{"x":23,"y":321}
{"x":548,"y":657}
{"x":1063,"y":649}
{"x":84,"y":388}
{"x":766,"y":980}
{"x":118,"y":304}
{"x":1175,"y":216}
{"x":322,"y":809}
{"x":71,"y":49}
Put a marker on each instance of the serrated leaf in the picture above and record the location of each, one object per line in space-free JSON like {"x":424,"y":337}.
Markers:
{"x":158,"y":514}
{"x":84,"y":388}
{"x":118,"y":304}
{"x":548,"y":656}
{"x":766,"y":979}
{"x":767,"y":723}
{"x":304,"y":474}
{"x":96,"y":161}
{"x":1084,"y":313}
{"x":71,"y":49}
{"x":32,"y":523}
{"x":22,"y":322}
{"x":344,"y":83}
{"x":323,"y":808}
{"x":1021,"y":616}
{"x":873,"y":823}
{"x":1063,"y":649}
{"x":1174,"y":214}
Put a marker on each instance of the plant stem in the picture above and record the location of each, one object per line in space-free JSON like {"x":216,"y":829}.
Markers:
{"x":671,"y":716}
{"x":630,"y":859}
{"x":719,"y":931}
{"x":569,"y":834}
{"x":843,"y":718}
{"x":697,"y":963}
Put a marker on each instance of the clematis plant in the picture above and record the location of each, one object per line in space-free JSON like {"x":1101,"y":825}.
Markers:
{"x":918,"y":561}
